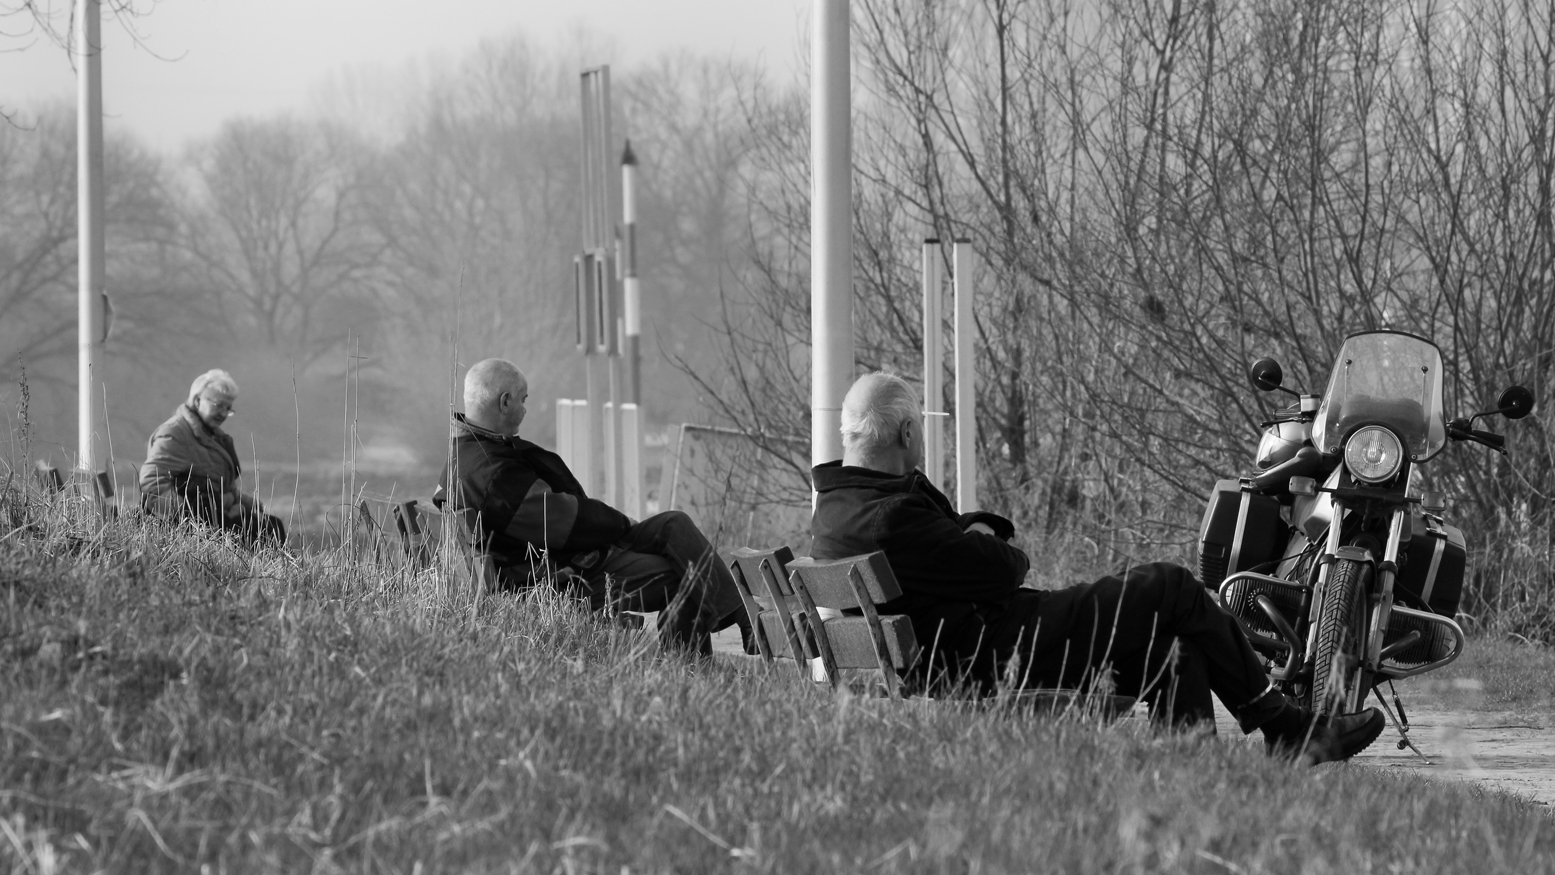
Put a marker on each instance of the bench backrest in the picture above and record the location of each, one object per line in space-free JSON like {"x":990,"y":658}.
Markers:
{"x":796,"y":608}
{"x":761,"y":576}
{"x":864,"y":640}
{"x":853,"y":582}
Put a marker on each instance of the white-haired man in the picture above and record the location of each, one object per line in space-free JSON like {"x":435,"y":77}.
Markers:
{"x":525,"y":510}
{"x":1155,"y":629}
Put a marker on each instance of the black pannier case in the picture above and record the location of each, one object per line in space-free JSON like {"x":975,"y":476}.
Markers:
{"x":1431,"y":567}
{"x":1241,"y":530}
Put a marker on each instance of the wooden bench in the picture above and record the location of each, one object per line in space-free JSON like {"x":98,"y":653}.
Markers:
{"x":796,"y":609}
{"x":782,"y":595}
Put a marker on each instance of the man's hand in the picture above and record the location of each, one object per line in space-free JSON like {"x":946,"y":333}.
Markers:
{"x":982,"y":528}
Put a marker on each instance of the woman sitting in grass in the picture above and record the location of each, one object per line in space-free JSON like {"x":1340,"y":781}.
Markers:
{"x":191,"y":469}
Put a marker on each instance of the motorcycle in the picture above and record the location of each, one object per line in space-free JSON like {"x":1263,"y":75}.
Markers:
{"x":1341,"y":573}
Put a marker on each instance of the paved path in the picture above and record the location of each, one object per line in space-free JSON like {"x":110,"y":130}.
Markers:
{"x":1501,"y":749}
{"x":1505,"y":750}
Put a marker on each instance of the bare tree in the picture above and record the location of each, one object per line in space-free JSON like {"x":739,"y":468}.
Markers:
{"x":277,"y":229}
{"x":38,"y":247}
{"x":1164,"y":192}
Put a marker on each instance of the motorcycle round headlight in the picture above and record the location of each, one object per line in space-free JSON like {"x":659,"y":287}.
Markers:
{"x":1373,"y":454}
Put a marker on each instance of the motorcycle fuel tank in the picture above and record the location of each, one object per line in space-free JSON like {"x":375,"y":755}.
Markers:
{"x":1241,"y":530}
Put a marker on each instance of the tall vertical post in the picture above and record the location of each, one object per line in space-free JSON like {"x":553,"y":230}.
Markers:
{"x":629,"y":291}
{"x":89,"y":209}
{"x":831,"y":227}
{"x":963,"y":264}
{"x":615,"y":452}
{"x":580,"y":442}
{"x":600,"y":208}
{"x":632,"y":448}
{"x":933,"y":364}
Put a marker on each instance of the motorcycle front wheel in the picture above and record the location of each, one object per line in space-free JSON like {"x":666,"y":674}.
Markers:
{"x":1341,"y":639}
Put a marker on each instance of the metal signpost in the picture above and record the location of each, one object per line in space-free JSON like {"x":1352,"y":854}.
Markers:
{"x":629,"y":290}
{"x":963,"y":270}
{"x":601,"y":437}
{"x":933,"y":364}
{"x":963,"y":264}
{"x":597,"y":310}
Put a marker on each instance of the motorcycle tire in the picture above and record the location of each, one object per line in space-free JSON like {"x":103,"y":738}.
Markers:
{"x":1341,"y":639}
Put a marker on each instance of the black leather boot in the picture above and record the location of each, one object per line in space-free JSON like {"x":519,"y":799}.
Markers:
{"x":1295,"y":735}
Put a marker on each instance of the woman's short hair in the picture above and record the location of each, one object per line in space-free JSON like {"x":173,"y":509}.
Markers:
{"x":871,"y":426}
{"x":215,"y":378}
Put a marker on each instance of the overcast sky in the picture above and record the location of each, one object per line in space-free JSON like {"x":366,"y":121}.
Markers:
{"x":200,"y":61}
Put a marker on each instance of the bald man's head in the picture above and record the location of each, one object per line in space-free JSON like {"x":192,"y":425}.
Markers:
{"x":880,"y":427}
{"x":495,"y":391}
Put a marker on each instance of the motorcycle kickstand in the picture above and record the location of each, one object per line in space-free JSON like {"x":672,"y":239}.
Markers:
{"x":1403,"y":730}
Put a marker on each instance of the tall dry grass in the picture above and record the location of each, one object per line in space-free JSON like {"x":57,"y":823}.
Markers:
{"x":171,"y":702}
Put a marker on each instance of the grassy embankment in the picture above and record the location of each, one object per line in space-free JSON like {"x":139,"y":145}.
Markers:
{"x":1495,"y":675}
{"x":169,"y":701}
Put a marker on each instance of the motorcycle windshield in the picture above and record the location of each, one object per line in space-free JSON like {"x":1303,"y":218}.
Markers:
{"x":1389,"y":379}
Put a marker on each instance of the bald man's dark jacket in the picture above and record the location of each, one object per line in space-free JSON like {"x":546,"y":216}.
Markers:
{"x":953,"y":581}
{"x":519,"y":501}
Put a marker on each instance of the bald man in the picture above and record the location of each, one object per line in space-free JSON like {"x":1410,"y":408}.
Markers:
{"x":1156,"y":630}
{"x":522,"y":507}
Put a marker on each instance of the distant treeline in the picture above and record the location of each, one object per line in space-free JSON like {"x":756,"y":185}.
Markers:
{"x":360,"y":253}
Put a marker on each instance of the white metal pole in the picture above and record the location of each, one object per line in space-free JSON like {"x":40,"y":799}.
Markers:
{"x":831,"y":228}
{"x":933,"y":364}
{"x":89,"y":208}
{"x":615,"y":485}
{"x":629,"y":290}
{"x":632,"y":443}
{"x":591,"y":473}
{"x":599,"y":211}
{"x":564,"y":436}
{"x":629,"y":432}
{"x":963,"y":264}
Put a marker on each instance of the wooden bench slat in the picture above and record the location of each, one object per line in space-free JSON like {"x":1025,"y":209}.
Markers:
{"x":853,"y":646}
{"x":829,"y":584}
{"x":757,"y":565}
{"x":852,"y":641}
{"x":777,"y":638}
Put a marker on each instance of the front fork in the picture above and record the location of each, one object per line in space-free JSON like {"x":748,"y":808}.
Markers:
{"x":1381,"y":597}
{"x":1382,"y":609}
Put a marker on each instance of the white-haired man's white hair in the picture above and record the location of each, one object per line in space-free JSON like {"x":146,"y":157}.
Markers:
{"x":874,"y":410}
{"x":486,"y":380}
{"x":215,"y":379}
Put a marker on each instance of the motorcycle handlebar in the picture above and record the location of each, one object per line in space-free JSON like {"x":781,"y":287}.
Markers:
{"x":1303,"y":464}
{"x":1488,"y":438}
{"x":1459,"y":431}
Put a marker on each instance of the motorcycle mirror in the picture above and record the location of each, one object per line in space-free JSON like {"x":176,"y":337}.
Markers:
{"x":1515,"y":403}
{"x":1265,"y":375}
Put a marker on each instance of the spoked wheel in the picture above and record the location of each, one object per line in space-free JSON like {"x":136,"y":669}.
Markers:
{"x":1337,"y":685}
